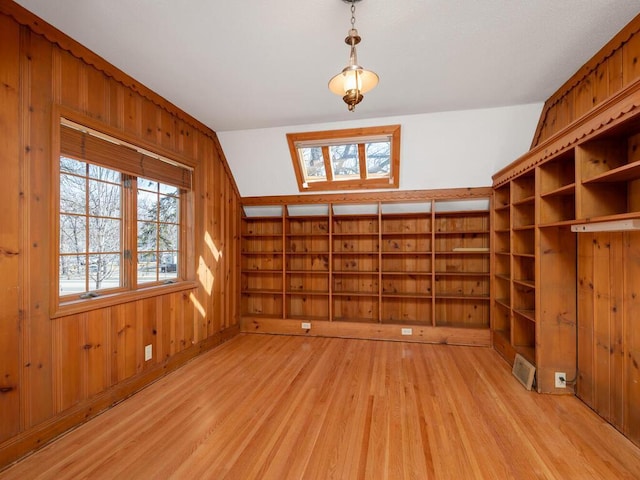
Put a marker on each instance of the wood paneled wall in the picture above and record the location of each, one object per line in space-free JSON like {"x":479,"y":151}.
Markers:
{"x":614,"y":67}
{"x":57,"y":372}
{"x":609,"y":327}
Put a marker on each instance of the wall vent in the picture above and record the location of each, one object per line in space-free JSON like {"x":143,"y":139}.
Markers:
{"x":523,"y":371}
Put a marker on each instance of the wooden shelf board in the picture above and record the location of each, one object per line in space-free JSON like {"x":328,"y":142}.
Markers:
{"x":354,"y":253}
{"x":355,"y":234}
{"x":528,"y":352}
{"x":562,"y":223}
{"x":524,"y":201}
{"x":504,"y":302}
{"x":524,"y":255}
{"x":354,"y":272}
{"x":308,"y":253}
{"x":502,"y":230}
{"x":624,"y":173}
{"x":356,"y":320}
{"x":463,"y":232}
{"x":462,"y":274}
{"x":505,"y":334}
{"x":502,"y":208}
{"x":502,"y":276}
{"x":465,"y":213}
{"x":300,"y":293}
{"x":503,"y":253}
{"x":312,"y":272}
{"x":406,"y":273}
{"x":355,"y":294}
{"x":521,"y":228}
{"x":263,"y":291}
{"x":563,"y":191}
{"x":406,"y":234}
{"x":405,"y":253}
{"x":421,"y":296}
{"x":463,"y":252}
{"x":307,"y":235}
{"x":527,"y":314}
{"x":262,"y":253}
{"x":261,"y":235}
{"x":262,"y":270}
{"x":525,"y":282}
{"x":455,"y":296}
{"x":442,"y":323}
{"x":609,"y":218}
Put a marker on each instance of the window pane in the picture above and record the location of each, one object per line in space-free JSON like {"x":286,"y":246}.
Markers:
{"x":146,"y":184}
{"x":313,"y":163}
{"x":169,"y":190}
{"x":147,"y":268}
{"x":169,"y":265}
{"x":147,"y":236}
{"x":147,"y":205}
{"x":104,"y":199}
{"x":104,"y":271}
{"x":168,"y":209}
{"x":72,"y":274}
{"x":167,"y":236}
{"x":378,"y":157}
{"x":104,"y":174}
{"x":104,"y":235}
{"x":72,"y":166}
{"x":72,"y":194}
{"x":73,"y":236}
{"x":344,"y":160}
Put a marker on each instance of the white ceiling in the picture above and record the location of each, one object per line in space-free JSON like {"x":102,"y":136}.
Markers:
{"x":237,"y":65}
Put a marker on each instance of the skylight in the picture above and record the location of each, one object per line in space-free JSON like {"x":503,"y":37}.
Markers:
{"x":363,"y":158}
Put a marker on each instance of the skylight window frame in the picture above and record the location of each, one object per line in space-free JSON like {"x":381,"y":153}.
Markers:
{"x":358,"y":136}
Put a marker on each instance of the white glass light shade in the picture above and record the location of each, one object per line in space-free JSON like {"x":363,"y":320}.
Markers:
{"x":351,"y":78}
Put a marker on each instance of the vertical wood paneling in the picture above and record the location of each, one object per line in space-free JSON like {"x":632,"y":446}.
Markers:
{"x":631,"y":332}
{"x":48,"y":365}
{"x":98,"y":93}
{"x":609,"y":267}
{"x":602,"y":323}
{"x":615,"y":64}
{"x":10,"y":230}
{"x":585,"y":385}
{"x":601,"y":83}
{"x":97,"y":351}
{"x":631,"y":60}
{"x":67,"y":351}
{"x":39,"y":68}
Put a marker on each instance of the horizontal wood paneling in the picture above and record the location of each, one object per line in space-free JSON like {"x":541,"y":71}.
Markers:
{"x":56,"y":372}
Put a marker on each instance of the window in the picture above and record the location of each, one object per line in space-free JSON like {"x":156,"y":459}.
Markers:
{"x":120,"y":214}
{"x":346,"y":159}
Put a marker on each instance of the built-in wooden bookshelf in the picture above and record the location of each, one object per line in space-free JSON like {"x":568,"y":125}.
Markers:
{"x":587,"y":176}
{"x":370,"y":268}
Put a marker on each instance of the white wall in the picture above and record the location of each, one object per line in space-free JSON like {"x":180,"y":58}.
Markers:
{"x":439,"y":150}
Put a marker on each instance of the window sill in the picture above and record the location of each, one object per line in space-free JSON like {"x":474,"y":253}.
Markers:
{"x":73,"y":307}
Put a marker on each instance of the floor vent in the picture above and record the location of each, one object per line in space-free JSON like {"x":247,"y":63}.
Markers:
{"x":523,"y":371}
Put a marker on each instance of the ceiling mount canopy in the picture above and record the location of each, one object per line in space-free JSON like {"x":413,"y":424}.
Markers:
{"x":353,"y":81}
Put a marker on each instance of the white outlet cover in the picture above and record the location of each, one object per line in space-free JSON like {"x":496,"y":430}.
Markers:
{"x":306,"y":325}
{"x":407,"y":331}
{"x":148,"y":352}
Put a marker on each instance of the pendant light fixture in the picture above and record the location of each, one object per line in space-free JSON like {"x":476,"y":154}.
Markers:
{"x":353,"y":81}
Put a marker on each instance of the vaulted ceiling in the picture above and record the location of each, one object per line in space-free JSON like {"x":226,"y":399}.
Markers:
{"x":243,"y":65}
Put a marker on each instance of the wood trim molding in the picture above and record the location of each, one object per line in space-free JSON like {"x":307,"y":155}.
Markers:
{"x":395,"y":196}
{"x":480,"y":337}
{"x":39,"y":436}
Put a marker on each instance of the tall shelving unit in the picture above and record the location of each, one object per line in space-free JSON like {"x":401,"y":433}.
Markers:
{"x":370,"y":269}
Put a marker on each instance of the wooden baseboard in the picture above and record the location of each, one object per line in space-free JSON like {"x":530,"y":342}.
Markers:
{"x":38,"y":436}
{"x":369,"y":331}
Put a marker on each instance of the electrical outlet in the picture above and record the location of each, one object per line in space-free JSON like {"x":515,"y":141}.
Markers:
{"x":148,"y":352}
{"x":561,"y":380}
{"x":306,"y":325}
{"x":407,"y":331}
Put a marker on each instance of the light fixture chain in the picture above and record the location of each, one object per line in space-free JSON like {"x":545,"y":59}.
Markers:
{"x":353,"y":14}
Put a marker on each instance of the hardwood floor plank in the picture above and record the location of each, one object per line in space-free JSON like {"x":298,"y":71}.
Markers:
{"x":278,"y":407}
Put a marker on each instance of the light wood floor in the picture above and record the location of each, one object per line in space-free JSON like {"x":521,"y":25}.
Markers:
{"x":277,"y":407}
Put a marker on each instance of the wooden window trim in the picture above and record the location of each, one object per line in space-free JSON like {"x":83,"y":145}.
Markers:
{"x":351,"y":135}
{"x":66,"y":305}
